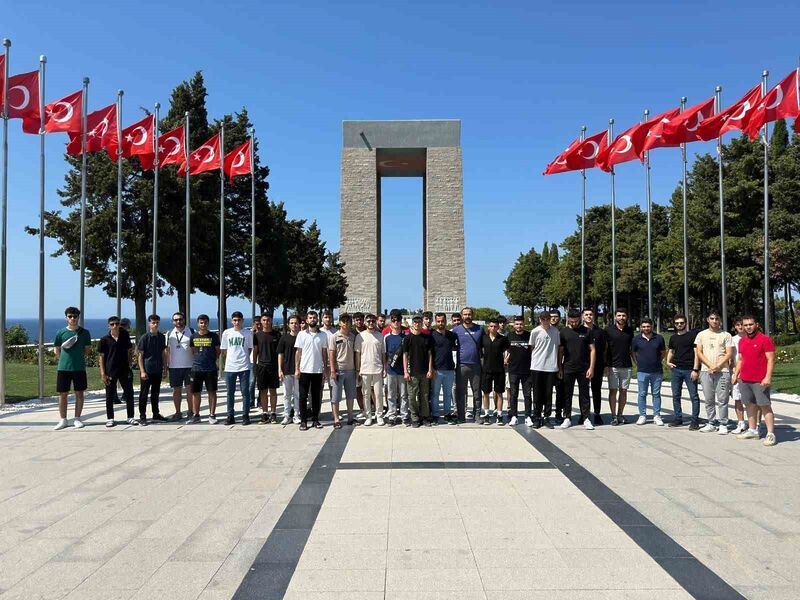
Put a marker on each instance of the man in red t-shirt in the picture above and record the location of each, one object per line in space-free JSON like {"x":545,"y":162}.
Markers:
{"x":754,"y":374}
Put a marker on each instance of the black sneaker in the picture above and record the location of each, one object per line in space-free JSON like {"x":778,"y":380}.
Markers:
{"x":614,"y":421}
{"x":484,"y":420}
{"x":178,"y":416}
{"x":621,"y":419}
{"x":143,"y":421}
{"x":694,"y":426}
{"x":537,"y":422}
{"x":676,"y":423}
{"x":303,"y":426}
{"x":415,"y":424}
{"x":317,"y":425}
{"x":273,"y":418}
{"x":548,"y":423}
{"x":390,"y":422}
{"x":598,"y":420}
{"x":264,"y":419}
{"x":499,"y":420}
{"x":407,"y":422}
{"x":230,"y":421}
{"x":428,"y":422}
{"x":159,"y":417}
{"x":245,"y":420}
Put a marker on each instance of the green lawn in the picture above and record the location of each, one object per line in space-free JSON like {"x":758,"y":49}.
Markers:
{"x":22,"y":381}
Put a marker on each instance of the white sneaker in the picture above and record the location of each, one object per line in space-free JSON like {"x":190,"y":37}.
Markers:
{"x":469,"y":415}
{"x":212,"y":420}
{"x":528,"y":421}
{"x":750,"y":434}
{"x":62,"y":424}
{"x":587,"y":424}
{"x":566,"y":424}
{"x":368,"y":422}
{"x":740,"y":428}
{"x":110,"y":423}
{"x":641,"y":420}
{"x":658,"y":421}
{"x":708,"y":428}
{"x":77,"y":423}
{"x":133,"y":422}
{"x":770,"y":440}
{"x":723,"y":430}
{"x":296,"y":420}
{"x":380,"y":420}
{"x":360,"y":416}
{"x":285,"y":420}
{"x":512,"y":421}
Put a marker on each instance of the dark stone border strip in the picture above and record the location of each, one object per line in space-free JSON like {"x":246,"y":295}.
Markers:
{"x":442,"y":464}
{"x":692,"y":575}
{"x":272,"y":570}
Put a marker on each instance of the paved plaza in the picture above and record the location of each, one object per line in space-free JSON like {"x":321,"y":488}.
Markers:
{"x":463,"y":512}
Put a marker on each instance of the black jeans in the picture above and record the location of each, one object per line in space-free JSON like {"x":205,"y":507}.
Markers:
{"x":310,"y":383}
{"x":149,"y":387}
{"x":597,"y":388}
{"x":515,"y":380}
{"x":543,"y":382}
{"x":568,"y":385}
{"x":125,"y":379}
{"x":560,"y":399}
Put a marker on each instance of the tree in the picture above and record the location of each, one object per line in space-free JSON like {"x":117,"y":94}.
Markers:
{"x":523,"y":286}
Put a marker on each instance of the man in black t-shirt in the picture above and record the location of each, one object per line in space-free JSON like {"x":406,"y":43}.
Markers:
{"x":518,"y":363}
{"x":445,"y":343}
{"x":115,"y":366}
{"x":577,"y":356}
{"x":600,"y":341}
{"x":418,"y":371}
{"x":494,"y":348}
{"x":286,"y":369}
{"x":683,"y":361}
{"x":205,"y":348}
{"x":152,"y":367}
{"x":265,"y":359}
{"x":618,"y":364}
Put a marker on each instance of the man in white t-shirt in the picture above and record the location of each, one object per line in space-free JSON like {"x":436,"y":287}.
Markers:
{"x":545,"y":343}
{"x":179,"y":359}
{"x":237,"y":343}
{"x":714,"y":349}
{"x":311,"y":363}
{"x":369,"y":366}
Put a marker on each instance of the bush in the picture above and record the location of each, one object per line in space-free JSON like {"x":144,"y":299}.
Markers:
{"x":786,"y":339}
{"x":16,"y":335}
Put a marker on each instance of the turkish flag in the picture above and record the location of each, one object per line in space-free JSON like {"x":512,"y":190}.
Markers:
{"x":671,"y":132}
{"x":61,"y":116}
{"x":137,"y":140}
{"x":735,"y":117}
{"x":23,"y":98}
{"x":628,"y":145}
{"x":171,"y":147}
{"x":779,"y":103}
{"x":584,"y":155}
{"x":101,"y":132}
{"x":205,"y":158}
{"x":559,"y":164}
{"x":237,"y":161}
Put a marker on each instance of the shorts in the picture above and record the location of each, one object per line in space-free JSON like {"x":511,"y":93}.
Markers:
{"x":736,"y":392}
{"x":267,"y":377}
{"x":619,"y":378}
{"x":179,"y":378}
{"x":496,"y":381}
{"x":66,"y":378}
{"x":754,"y":393}
{"x":200,"y":378}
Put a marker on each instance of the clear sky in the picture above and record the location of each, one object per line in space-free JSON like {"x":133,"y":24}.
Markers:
{"x":522,"y":77}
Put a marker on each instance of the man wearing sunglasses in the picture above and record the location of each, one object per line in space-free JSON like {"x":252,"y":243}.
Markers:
{"x":115,"y":351}
{"x":72,"y":346}
{"x":179,"y":359}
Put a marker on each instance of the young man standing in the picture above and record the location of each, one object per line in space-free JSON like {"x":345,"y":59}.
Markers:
{"x":358,"y":324}
{"x":328,"y":328}
{"x":341,"y":350}
{"x":255,"y":327}
{"x":418,"y":371}
{"x":445,"y":343}
{"x":114,"y":351}
{"x":544,"y":342}
{"x":494,"y":374}
{"x":311,"y":363}
{"x":286,"y":369}
{"x":754,"y":375}
{"x":555,"y":321}
{"x":600,"y":347}
{"x":205,"y":347}
{"x":714,"y":349}
{"x":393,"y":355}
{"x":265,"y":357}
{"x":179,"y":359}
{"x":470,"y":343}
{"x":648,"y":351}
{"x":152,"y":348}
{"x":238,"y":345}
{"x":427,"y":322}
{"x":72,"y":346}
{"x":682,"y":359}
{"x":741,"y":427}
{"x":369,"y":368}
{"x":619,"y":363}
{"x":577,"y":364}
{"x":518,"y":363}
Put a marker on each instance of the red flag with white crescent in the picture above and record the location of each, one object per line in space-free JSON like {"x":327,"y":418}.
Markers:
{"x":627,"y":146}
{"x":171,"y":147}
{"x":101,"y":132}
{"x":205,"y":158}
{"x":137,"y":140}
{"x":781,"y":102}
{"x":62,"y":115}
{"x":23,"y":99}
{"x":237,"y":161}
{"x":735,"y":117}
{"x":584,"y":155}
{"x":559,"y":163}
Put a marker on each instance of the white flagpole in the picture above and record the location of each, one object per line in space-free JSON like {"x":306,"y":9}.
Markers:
{"x":4,"y":230}
{"x":84,"y":109}
{"x":685,"y":214}
{"x":155,"y":210}
{"x":222,"y":319}
{"x":252,"y":222}
{"x":724,"y":289}
{"x":613,"y":227}
{"x":188,"y":218}
{"x":648,"y":197}
{"x":767,"y":288}
{"x":42,"y":62}
{"x":119,"y":204}
{"x":583,"y":229}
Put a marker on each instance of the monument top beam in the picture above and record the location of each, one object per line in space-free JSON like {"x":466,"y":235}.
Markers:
{"x":401,"y":134}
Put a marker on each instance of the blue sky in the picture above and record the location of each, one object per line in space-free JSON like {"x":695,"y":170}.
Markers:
{"x":522,"y":77}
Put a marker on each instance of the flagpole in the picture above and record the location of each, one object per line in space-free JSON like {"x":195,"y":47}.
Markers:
{"x":583,"y":228}
{"x":42,"y":62}
{"x":685,"y":215}
{"x":252,"y":223}
{"x":155,"y":210}
{"x":4,"y":229}
{"x":613,"y":227}
{"x":724,"y":289}
{"x":188,"y":218}
{"x":767,"y":289}
{"x":649,"y":228}
{"x":119,"y":203}
{"x":222,"y":318}
{"x":84,"y":108}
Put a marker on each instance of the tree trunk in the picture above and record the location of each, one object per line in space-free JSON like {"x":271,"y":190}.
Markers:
{"x":140,"y":301}
{"x":791,"y":310}
{"x":786,"y":308}
{"x":285,"y":319}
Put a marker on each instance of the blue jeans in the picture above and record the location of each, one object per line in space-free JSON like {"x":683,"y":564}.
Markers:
{"x":443,"y":381}
{"x":680,"y":376}
{"x":653,"y":381}
{"x":244,"y":385}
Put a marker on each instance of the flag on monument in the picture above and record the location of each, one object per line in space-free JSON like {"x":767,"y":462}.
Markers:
{"x":137,"y":140}
{"x":237,"y":161}
{"x":205,"y":158}
{"x":23,"y":98}
{"x":735,"y":117}
{"x":101,"y":132}
{"x":779,"y":103}
{"x":61,"y":116}
{"x":584,"y":155}
{"x":171,"y":147}
{"x":628,"y":145}
{"x":559,"y":163}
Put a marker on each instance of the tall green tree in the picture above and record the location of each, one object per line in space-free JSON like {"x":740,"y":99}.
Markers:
{"x":523,"y":286}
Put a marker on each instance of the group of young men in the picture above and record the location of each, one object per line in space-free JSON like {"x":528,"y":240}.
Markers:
{"x":398,"y":374}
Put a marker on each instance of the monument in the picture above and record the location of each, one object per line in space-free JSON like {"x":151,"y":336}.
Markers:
{"x":428,"y":149}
